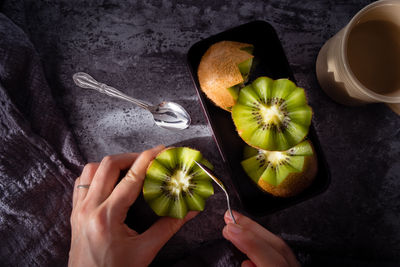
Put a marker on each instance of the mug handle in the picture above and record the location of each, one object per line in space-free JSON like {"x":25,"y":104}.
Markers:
{"x":395,"y":107}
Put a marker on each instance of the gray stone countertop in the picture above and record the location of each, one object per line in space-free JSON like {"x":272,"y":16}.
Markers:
{"x":140,"y":48}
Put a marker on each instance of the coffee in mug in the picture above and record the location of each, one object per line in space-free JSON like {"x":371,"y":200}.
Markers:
{"x":361,"y":63}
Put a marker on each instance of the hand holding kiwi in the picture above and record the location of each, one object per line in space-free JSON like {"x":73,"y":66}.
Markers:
{"x":99,"y":233}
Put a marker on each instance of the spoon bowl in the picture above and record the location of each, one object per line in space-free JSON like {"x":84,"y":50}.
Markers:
{"x":168,"y":115}
{"x":172,"y":116}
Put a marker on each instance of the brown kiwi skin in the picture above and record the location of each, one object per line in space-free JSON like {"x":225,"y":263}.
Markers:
{"x":218,"y":70}
{"x":296,"y":182}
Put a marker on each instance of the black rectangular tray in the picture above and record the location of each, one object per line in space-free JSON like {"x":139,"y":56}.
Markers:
{"x":269,"y":60}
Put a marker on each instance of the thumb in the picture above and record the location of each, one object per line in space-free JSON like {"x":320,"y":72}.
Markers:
{"x":256,"y":248}
{"x":161,"y":231}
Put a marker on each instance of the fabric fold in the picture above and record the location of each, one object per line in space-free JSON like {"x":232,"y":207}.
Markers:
{"x":39,"y":159}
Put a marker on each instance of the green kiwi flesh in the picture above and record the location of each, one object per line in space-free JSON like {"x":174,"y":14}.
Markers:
{"x":272,"y":114}
{"x":275,"y":166}
{"x":244,"y":68}
{"x":174,"y":184}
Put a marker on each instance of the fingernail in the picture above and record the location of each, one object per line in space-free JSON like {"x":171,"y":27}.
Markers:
{"x":234,"y":228}
{"x":159,"y":147}
{"x":228,"y":215}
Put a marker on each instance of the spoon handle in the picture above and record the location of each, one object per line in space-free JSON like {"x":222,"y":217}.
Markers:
{"x":84,"y":80}
{"x":220,"y":184}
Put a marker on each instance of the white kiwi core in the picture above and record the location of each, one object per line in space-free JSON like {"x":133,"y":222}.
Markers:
{"x":179,"y":182}
{"x":275,"y":157}
{"x":271,"y":114}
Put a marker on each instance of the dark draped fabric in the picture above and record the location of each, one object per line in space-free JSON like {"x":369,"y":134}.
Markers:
{"x":39,"y":159}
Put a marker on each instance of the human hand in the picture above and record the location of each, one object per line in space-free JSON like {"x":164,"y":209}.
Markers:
{"x":99,"y":235}
{"x":262,"y":247}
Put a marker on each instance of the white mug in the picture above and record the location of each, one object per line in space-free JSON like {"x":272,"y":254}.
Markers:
{"x":361,"y":63}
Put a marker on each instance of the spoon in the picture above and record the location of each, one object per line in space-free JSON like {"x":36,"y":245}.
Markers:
{"x":220,"y":184}
{"x":168,"y":115}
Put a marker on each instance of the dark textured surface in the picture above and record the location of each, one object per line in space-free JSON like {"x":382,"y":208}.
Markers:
{"x":39,"y":159}
{"x":141,"y":47}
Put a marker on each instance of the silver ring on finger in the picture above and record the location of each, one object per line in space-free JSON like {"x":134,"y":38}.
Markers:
{"x":83,"y":186}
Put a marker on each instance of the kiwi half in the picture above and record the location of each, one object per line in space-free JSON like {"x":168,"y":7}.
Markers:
{"x":272,"y":114}
{"x":223,"y":70}
{"x":281,"y":173}
{"x":174,"y":184}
